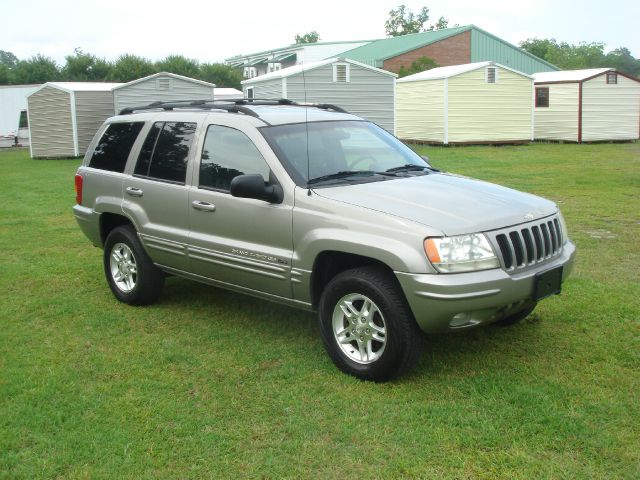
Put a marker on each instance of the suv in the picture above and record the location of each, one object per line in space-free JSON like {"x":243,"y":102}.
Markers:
{"x":318,"y":209}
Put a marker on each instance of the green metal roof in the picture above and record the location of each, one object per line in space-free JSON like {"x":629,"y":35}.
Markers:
{"x":292,"y":47}
{"x":484,"y":47}
{"x":376,"y":52}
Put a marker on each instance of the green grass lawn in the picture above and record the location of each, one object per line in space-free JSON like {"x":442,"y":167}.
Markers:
{"x":211,"y":384}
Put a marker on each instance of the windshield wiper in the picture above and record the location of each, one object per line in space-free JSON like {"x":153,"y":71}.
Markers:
{"x":410,"y":167}
{"x":345,"y":174}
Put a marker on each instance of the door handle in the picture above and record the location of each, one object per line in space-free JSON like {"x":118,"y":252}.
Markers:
{"x":204,"y":206}
{"x":134,"y":192}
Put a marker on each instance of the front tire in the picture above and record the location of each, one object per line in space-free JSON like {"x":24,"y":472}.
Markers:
{"x":132,"y":276}
{"x":367,"y":327}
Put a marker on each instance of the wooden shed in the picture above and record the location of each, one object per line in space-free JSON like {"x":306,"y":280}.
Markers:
{"x":160,"y":87}
{"x":64,"y":117}
{"x":358,"y":88}
{"x":587,"y":105}
{"x":481,"y":102}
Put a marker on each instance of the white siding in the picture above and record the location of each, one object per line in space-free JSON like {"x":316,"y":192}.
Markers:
{"x":420,"y":111}
{"x":610,"y":111}
{"x":148,"y":91}
{"x":489,"y":112}
{"x":368,"y":94}
{"x":558,"y":121}
{"x":92,"y":108}
{"x":266,"y":89}
{"x":13,"y":99}
{"x":50,"y":123}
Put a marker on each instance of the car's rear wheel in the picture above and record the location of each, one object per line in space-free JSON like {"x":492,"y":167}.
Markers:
{"x":367,"y":327}
{"x":132,"y":276}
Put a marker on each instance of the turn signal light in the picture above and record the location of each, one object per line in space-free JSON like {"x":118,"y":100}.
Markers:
{"x":79,"y":189}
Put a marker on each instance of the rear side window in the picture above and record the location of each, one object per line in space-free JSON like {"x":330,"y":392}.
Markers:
{"x":165,"y":151}
{"x":113,"y":149}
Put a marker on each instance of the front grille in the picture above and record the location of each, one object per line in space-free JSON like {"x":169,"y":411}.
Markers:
{"x":529,"y":244}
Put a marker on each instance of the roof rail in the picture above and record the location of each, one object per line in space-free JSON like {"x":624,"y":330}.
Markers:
{"x":230,"y":105}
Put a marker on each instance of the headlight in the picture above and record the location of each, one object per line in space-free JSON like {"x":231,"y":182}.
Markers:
{"x":464,"y":253}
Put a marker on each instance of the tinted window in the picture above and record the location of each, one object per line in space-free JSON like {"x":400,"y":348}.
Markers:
{"x":112,"y":150}
{"x":228,"y":153}
{"x":542,"y":97}
{"x":144,"y":159}
{"x":165,"y":151}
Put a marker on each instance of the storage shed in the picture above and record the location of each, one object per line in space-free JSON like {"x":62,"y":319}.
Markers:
{"x":13,"y":109}
{"x":587,"y":105}
{"x":482,"y":102}
{"x":160,"y":87}
{"x":358,"y":88}
{"x":64,"y":117}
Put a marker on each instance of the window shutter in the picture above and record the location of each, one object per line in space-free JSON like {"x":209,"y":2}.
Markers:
{"x":341,"y":72}
{"x":164,"y":83}
{"x":492,"y":75}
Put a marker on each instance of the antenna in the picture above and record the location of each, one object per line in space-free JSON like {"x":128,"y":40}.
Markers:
{"x":306,"y":126}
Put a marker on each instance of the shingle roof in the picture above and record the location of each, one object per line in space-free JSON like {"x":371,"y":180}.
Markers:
{"x":379,"y":50}
{"x":569,"y":75}
{"x":452,"y":71}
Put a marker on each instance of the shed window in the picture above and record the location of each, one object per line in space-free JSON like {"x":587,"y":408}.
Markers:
{"x":492,"y":75}
{"x":24,"y":120}
{"x":113,"y":149}
{"x":341,"y":72}
{"x":164,"y":83}
{"x":542,"y":97}
{"x":612,"y":78}
{"x":165,"y":151}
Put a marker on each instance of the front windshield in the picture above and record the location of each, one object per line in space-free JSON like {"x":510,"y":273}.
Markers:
{"x":316,"y":150}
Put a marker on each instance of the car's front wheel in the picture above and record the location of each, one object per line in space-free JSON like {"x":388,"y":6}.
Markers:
{"x":132,"y":276}
{"x":367,"y":327}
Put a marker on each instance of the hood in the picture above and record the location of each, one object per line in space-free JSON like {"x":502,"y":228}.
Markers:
{"x":452,"y":204}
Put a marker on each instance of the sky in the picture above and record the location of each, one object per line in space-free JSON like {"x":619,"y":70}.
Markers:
{"x":211,"y":30}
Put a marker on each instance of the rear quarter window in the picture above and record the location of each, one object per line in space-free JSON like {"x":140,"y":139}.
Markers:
{"x":113,"y":149}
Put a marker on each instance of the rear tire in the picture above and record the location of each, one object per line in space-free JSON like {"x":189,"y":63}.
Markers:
{"x":132,"y":276}
{"x":367,"y":327}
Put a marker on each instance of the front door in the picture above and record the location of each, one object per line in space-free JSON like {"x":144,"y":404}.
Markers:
{"x":238,"y":241}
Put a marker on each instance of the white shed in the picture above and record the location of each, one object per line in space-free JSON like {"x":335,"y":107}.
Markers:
{"x":13,"y":108}
{"x":358,"y":88}
{"x":481,"y":102}
{"x":64,"y":116}
{"x":588,"y":105}
{"x":160,"y":87}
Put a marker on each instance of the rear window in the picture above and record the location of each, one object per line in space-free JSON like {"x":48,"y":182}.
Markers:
{"x":113,"y":149}
{"x":165,"y":151}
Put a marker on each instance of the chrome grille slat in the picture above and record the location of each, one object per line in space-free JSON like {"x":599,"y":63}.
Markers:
{"x":529,"y":244}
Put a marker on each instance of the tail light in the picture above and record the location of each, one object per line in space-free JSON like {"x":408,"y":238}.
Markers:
{"x":79,"y":189}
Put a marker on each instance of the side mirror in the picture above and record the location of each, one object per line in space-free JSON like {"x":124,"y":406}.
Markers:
{"x":253,"y":186}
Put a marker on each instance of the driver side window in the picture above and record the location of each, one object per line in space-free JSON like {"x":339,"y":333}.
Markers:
{"x":227,"y":153}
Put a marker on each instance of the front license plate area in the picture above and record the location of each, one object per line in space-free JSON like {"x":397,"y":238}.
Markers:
{"x":547,"y":283}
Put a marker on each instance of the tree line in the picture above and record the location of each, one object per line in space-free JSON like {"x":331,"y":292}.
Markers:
{"x":85,"y":67}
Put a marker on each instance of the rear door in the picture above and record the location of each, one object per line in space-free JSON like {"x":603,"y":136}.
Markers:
{"x":156,"y":194}
{"x":238,"y":241}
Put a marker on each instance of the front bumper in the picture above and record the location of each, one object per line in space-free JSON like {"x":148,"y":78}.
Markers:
{"x":474,"y":298}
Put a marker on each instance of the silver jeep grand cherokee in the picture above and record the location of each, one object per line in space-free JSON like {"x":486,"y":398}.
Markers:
{"x":317,"y":209}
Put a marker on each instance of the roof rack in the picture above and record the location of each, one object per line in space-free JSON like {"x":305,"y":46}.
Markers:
{"x":230,"y":105}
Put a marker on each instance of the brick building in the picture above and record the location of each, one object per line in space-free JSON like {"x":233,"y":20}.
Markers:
{"x":449,"y":46}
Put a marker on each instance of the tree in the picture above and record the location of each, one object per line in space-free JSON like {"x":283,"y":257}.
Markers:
{"x":311,"y":37}
{"x":439,"y":25}
{"x":179,"y":65}
{"x":402,"y":21}
{"x":621,"y":59}
{"x":5,"y":75}
{"x":84,"y":67}
{"x":131,"y":67}
{"x":38,"y":69}
{"x":220,"y":74}
{"x":420,"y":65}
{"x":8,"y":59}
